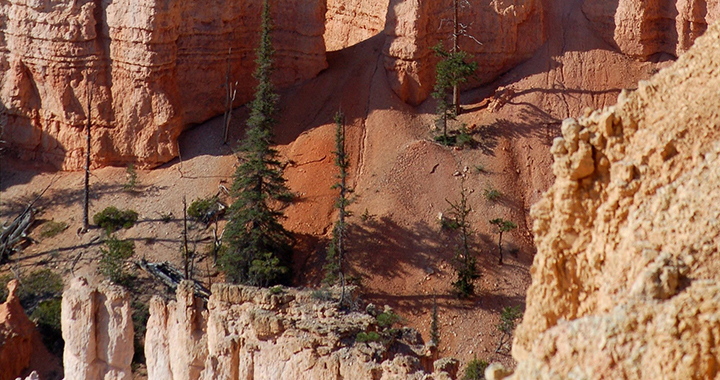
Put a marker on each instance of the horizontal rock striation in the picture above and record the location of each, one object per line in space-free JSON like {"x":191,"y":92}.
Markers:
{"x":646,"y":28}
{"x":348,"y":22}
{"x":624,"y":284}
{"x":152,"y":67}
{"x":504,"y":33}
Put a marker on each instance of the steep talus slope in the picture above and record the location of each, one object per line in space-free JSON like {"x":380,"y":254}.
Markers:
{"x":152,"y":66}
{"x":625,"y":279}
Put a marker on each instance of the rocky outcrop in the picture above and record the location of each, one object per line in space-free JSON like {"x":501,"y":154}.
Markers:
{"x":251,"y":333}
{"x":625,"y":281}
{"x":152,"y":67}
{"x":97,"y":329}
{"x":16,"y":335}
{"x":504,"y":33}
{"x":348,"y":22}
{"x":644,"y":28}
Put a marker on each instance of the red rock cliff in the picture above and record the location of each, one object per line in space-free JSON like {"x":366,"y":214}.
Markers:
{"x":153,"y":67}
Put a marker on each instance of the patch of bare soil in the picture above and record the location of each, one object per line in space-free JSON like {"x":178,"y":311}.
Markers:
{"x":402,"y":180}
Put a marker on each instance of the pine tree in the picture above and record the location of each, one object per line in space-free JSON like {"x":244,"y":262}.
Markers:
{"x":502,"y":226}
{"x":336,"y":250}
{"x":259,"y":248}
{"x":451,"y":71}
{"x":467,"y":271}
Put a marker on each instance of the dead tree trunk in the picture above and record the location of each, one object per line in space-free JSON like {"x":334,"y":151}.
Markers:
{"x":186,"y":253}
{"x":86,"y":198}
{"x":230,"y":93}
{"x":456,"y":35}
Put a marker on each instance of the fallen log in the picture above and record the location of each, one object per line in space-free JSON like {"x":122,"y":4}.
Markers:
{"x":170,"y":276}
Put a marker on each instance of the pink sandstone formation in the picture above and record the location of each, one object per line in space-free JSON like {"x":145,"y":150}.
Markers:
{"x":152,"y":67}
{"x":251,"y":333}
{"x":97,"y":329}
{"x":625,"y":281}
{"x":16,"y":336}
{"x":239,"y":333}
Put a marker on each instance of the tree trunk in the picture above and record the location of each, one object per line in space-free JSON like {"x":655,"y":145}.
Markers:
{"x":500,"y":248}
{"x":186,"y":260}
{"x":86,"y":199}
{"x":456,"y":35}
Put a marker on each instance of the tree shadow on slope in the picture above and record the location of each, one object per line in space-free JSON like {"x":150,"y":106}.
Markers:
{"x":383,"y":248}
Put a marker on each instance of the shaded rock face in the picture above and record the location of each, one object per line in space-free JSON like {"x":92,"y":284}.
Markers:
{"x":151,"y":66}
{"x":348,"y":22}
{"x":645,"y":28}
{"x":505,"y":33}
{"x":250,"y":333}
{"x":97,"y":329}
{"x":625,"y":281}
{"x":16,"y":336}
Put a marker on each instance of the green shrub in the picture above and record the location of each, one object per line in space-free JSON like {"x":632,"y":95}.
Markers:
{"x":492,"y":194}
{"x":113,"y":258}
{"x":464,"y":139}
{"x":447,"y":140}
{"x":205,"y":209}
{"x":475,"y":369}
{"x":47,"y":317}
{"x":387,"y":319}
{"x":277,"y":289}
{"x":131,"y":178}
{"x":52,"y":228}
{"x":111,"y":219}
{"x":372,"y":336}
{"x":508,"y":316}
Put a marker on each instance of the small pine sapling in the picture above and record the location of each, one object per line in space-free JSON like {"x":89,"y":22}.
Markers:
{"x":508,"y":316}
{"x":434,"y":329}
{"x":502,"y":226}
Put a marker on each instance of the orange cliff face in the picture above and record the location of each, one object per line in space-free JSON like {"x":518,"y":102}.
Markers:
{"x":151,"y":67}
{"x":154,"y":67}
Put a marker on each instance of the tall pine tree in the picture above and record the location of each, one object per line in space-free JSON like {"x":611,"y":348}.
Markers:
{"x":259,"y":248}
{"x":336,"y":250}
{"x":452,"y":70}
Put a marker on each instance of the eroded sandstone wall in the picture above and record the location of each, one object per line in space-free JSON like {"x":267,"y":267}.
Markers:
{"x":625,"y":281}
{"x":16,"y":335}
{"x":645,"y":28}
{"x":97,"y":329}
{"x":152,"y":66}
{"x":504,"y":33}
{"x":251,"y":333}
{"x":348,"y":22}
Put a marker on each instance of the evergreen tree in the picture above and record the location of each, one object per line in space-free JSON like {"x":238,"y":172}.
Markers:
{"x":502,"y":226}
{"x":259,"y":247}
{"x":467,"y":271}
{"x":336,"y":250}
{"x":451,"y":71}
